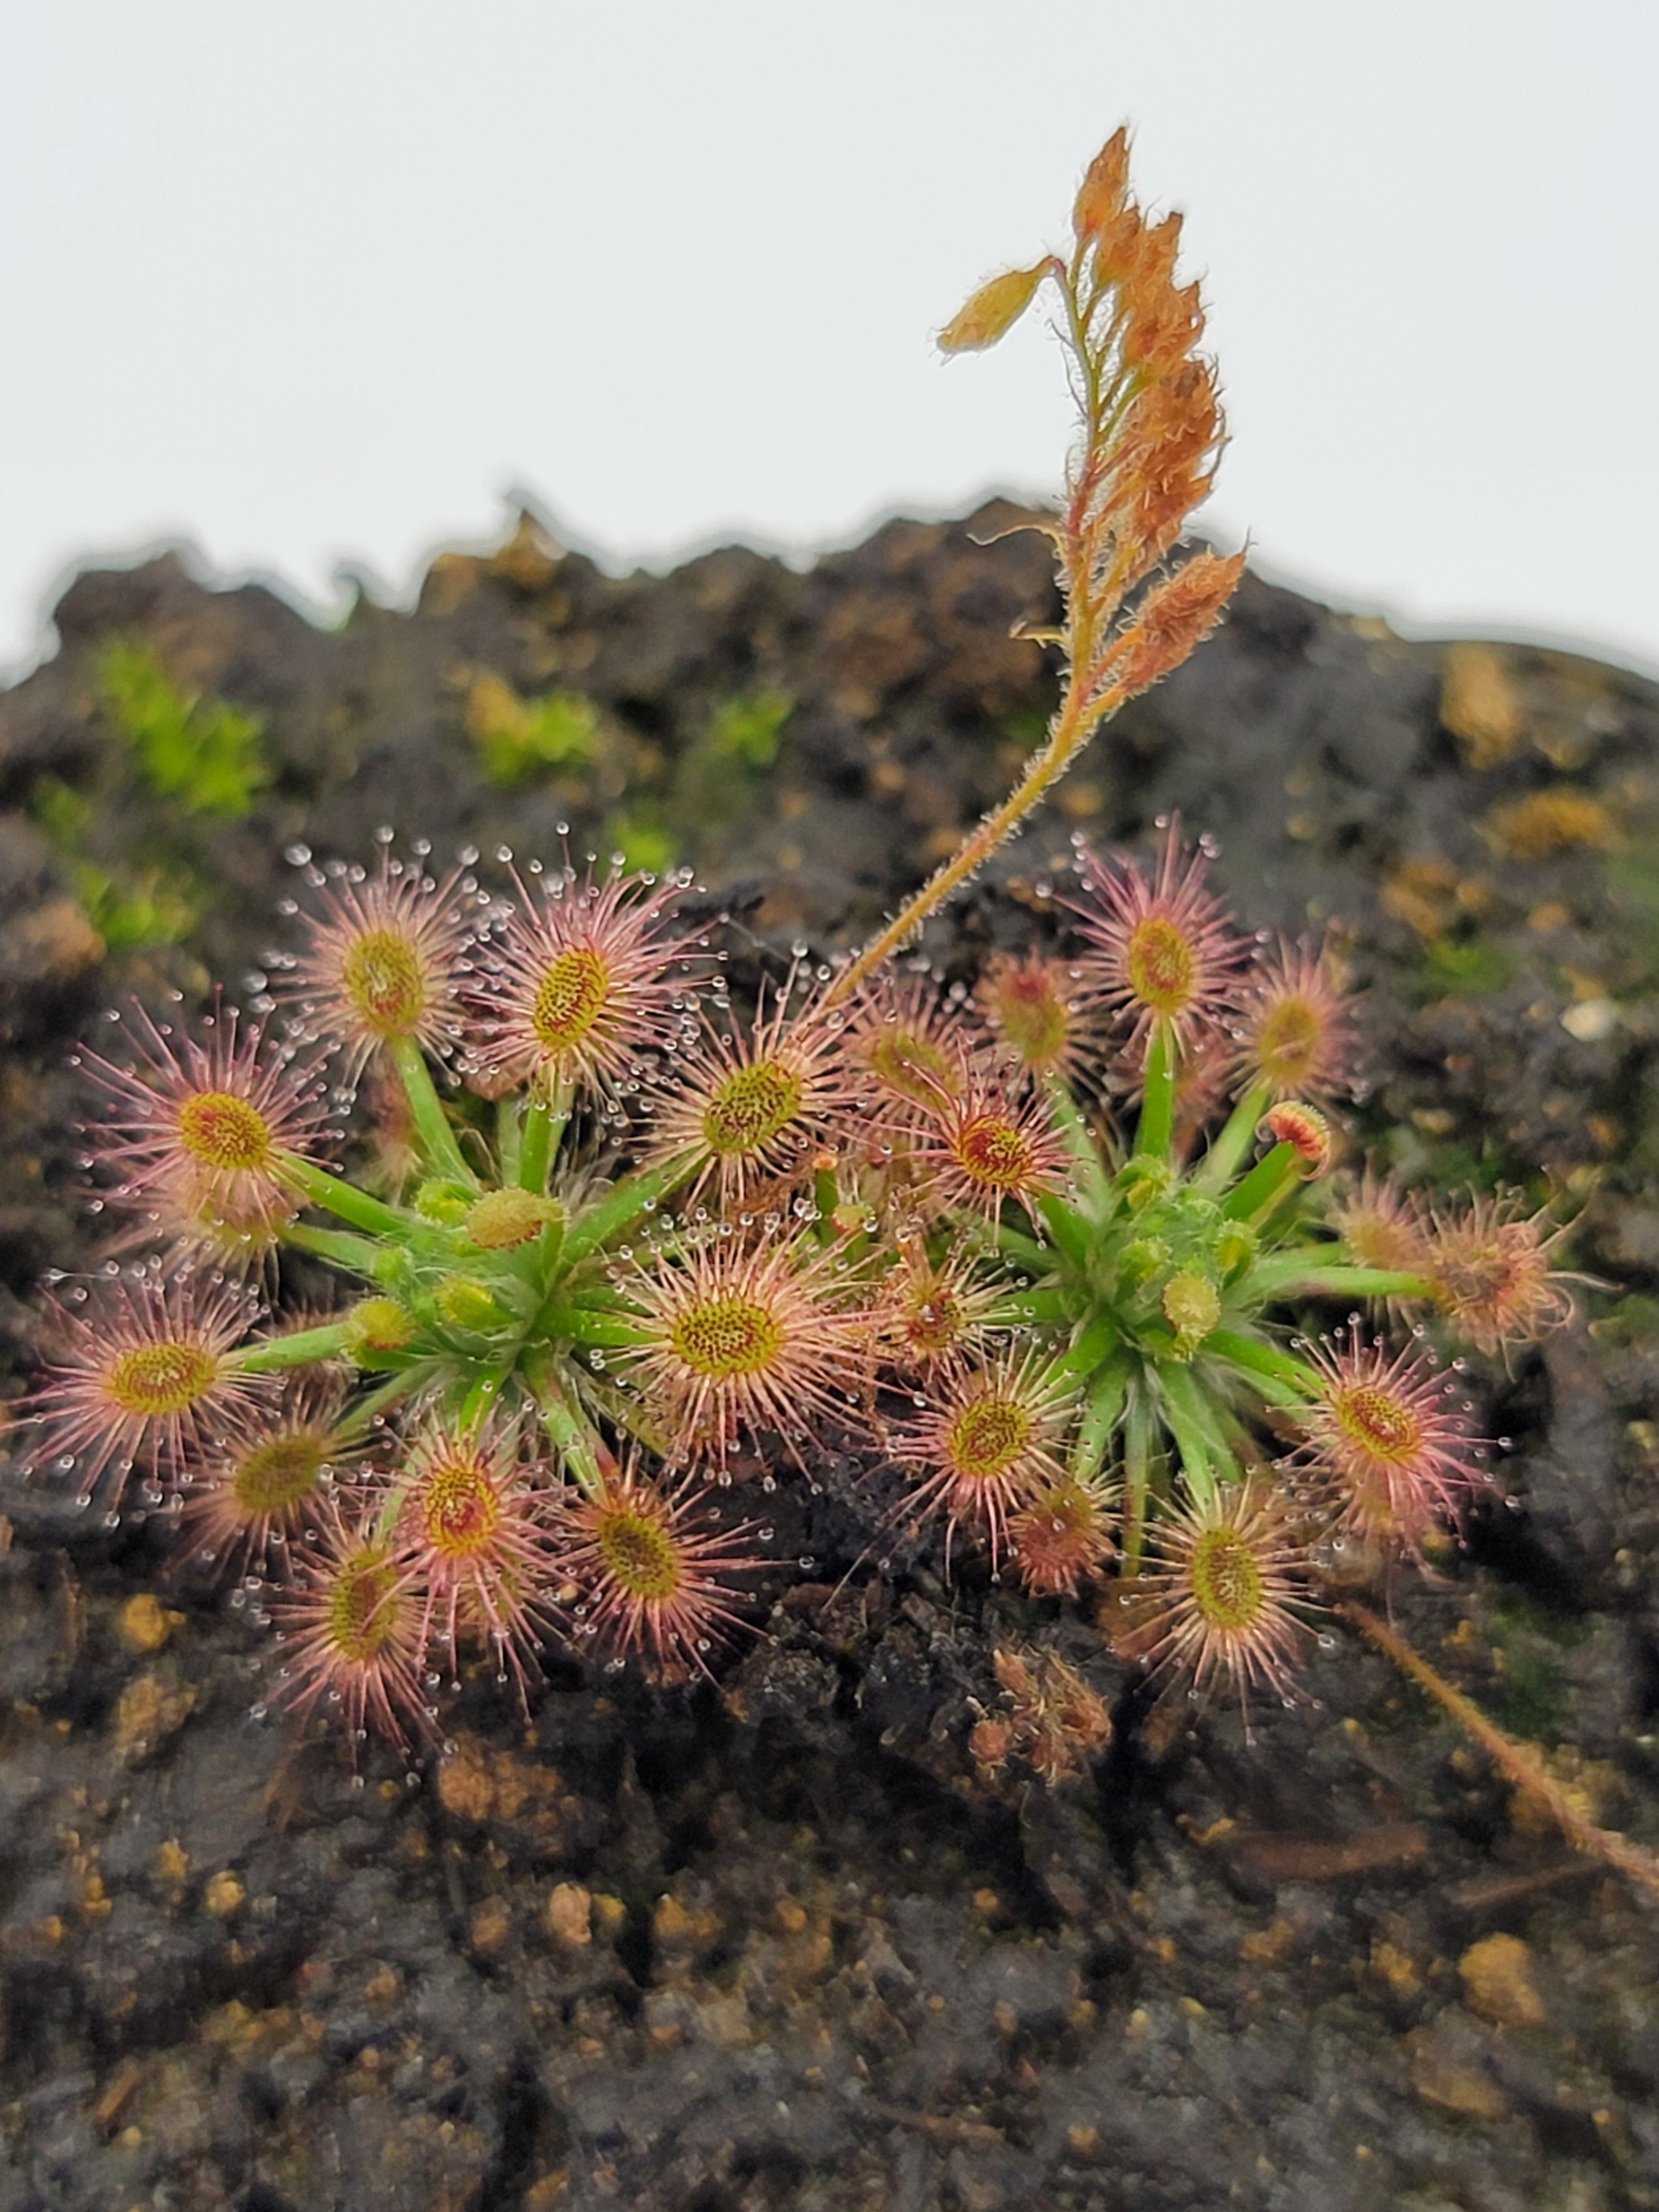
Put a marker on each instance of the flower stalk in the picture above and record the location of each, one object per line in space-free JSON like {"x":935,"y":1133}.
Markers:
{"x":1518,"y":1762}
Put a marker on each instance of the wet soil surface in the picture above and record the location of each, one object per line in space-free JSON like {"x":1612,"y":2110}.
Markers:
{"x":776,"y":1943}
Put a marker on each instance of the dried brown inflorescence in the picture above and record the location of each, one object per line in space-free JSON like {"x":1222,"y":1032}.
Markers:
{"x":1149,"y":435}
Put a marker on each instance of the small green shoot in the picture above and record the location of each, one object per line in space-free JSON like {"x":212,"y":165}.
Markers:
{"x":518,"y":740}
{"x":204,"y":752}
{"x":647,"y":847}
{"x":132,"y":910}
{"x":745,"y":733}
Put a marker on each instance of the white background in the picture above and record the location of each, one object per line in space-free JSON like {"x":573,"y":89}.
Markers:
{"x":313,"y":286}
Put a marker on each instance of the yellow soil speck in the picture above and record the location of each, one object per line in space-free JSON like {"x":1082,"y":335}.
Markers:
{"x":223,"y":1895}
{"x":1266,"y":1944}
{"x":1546,"y":822}
{"x":150,"y":1710}
{"x":146,"y":1624}
{"x":1497,"y":1982}
{"x":491,"y":1925}
{"x":171,"y":1864}
{"x":570,"y":1914}
{"x":1478,"y":706}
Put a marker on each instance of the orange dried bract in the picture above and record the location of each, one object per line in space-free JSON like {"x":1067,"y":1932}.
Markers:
{"x":1056,"y":1722}
{"x":1174,"y":617}
{"x":1099,"y":201}
{"x":1151,"y":274}
{"x":1150,"y":432}
{"x":1173,"y":422}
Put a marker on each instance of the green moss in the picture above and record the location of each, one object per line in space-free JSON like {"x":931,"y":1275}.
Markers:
{"x":1462,"y":968}
{"x":640,"y":834}
{"x":204,"y":753}
{"x":131,"y":909}
{"x":1460,"y":1167}
{"x":520,"y":739}
{"x":1026,"y":729}
{"x":1634,"y":1320}
{"x":140,"y":911}
{"x":62,"y":811}
{"x":1530,"y":1698}
{"x":722,"y":776}
{"x":1633,"y":887}
{"x":745,"y":733}
{"x":1530,"y":1695}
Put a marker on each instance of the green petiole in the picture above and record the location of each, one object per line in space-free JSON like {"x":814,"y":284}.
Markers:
{"x":431,"y":1123}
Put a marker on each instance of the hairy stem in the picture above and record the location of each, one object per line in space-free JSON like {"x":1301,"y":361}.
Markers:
{"x":358,"y":1256}
{"x":1204,"y":1455}
{"x":1519,"y":1762}
{"x":1069,"y":1235}
{"x":359,"y":1417}
{"x":509,"y":1139}
{"x":479,"y":1398}
{"x":1095,"y":1342}
{"x":1023,"y":1251}
{"x":1341,"y":1282}
{"x":545,"y":1124}
{"x":579,"y":1325}
{"x":1101,"y":1410}
{"x":1277,"y":1377}
{"x":1156,"y":1122}
{"x":1094,"y":1184}
{"x":1075,"y":722}
{"x":1220,"y":1163}
{"x":1266,"y":1184}
{"x":1137,"y":1473}
{"x":535,"y":1147}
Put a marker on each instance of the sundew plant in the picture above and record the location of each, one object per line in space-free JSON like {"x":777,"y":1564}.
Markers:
{"x":1043,"y":1253}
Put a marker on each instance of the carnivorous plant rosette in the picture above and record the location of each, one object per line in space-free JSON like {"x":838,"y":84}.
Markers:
{"x":1039,"y":1251}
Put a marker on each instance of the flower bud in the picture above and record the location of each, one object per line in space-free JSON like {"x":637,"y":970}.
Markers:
{"x":1236,"y":1247}
{"x":1142,"y":1260}
{"x":995,"y":308}
{"x":442,"y":1202}
{"x":1174,"y":616}
{"x":377,"y":1326}
{"x":1192,"y":1309}
{"x":1100,"y":196}
{"x":992,"y":1741}
{"x":463,"y":1302}
{"x":1303,"y":1128}
{"x":501,"y":1218}
{"x":1144,"y":1181}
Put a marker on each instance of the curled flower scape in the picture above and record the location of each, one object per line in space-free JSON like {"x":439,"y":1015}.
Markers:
{"x":1023,"y":1265}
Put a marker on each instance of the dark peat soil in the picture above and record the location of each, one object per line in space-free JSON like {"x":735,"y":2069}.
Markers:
{"x":777,"y":1944}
